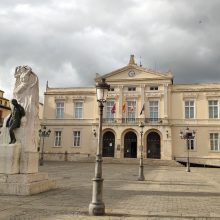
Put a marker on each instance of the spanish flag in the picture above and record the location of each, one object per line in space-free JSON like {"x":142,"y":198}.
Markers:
{"x":113,"y":109}
{"x":142,"y":110}
{"x":124,"y":108}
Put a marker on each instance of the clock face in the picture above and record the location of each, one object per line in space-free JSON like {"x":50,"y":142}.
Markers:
{"x":131,"y":73}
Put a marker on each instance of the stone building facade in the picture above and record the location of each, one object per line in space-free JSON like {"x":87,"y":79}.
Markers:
{"x":4,"y":107}
{"x":137,"y":95}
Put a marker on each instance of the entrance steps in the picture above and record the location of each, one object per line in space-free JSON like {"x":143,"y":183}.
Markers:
{"x":146,"y":161}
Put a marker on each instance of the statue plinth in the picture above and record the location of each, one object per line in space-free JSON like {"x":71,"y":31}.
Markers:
{"x":19,"y":172}
{"x":10,"y":158}
{"x":25,"y":184}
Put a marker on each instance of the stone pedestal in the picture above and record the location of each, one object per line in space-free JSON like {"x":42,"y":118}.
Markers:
{"x":19,"y":172}
{"x":29,"y":162}
{"x":10,"y":158}
{"x":25,"y":184}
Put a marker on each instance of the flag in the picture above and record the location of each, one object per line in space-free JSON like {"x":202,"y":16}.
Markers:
{"x":142,"y":110}
{"x":124,"y":107}
{"x":113,"y":109}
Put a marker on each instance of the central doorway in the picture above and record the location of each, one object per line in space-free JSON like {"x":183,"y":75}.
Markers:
{"x":108,"y":149}
{"x":153,"y":145}
{"x":130,"y":145}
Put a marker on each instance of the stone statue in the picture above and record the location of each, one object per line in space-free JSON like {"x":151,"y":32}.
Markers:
{"x":26,"y":92}
{"x":19,"y":160}
{"x":25,"y":129}
{"x":14,"y":121}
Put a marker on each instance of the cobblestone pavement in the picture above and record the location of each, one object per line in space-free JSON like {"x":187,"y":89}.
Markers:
{"x":167,"y":193}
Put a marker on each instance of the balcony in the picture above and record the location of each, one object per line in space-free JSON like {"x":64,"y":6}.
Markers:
{"x":136,"y":121}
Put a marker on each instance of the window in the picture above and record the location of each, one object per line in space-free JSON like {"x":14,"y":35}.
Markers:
{"x":78,"y":109}
{"x":214,"y":141}
{"x":112,"y":89}
{"x":131,"y":88}
{"x":154,"y":88}
{"x":189,"y":109}
{"x":110,"y":111}
{"x":153,"y":109}
{"x":76,"y":138}
{"x":57,"y":141}
{"x":59,"y":109}
{"x":131,"y":111}
{"x":191,"y":142}
{"x":213,"y":109}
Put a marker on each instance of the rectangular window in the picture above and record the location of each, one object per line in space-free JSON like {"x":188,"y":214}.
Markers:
{"x":110,"y":111}
{"x":213,"y":109}
{"x":153,"y":110}
{"x":191,"y":142}
{"x":214,"y":141}
{"x":76,"y":138}
{"x":189,"y":109}
{"x":154,"y":88}
{"x":59,"y":109}
{"x":131,"y":88}
{"x":57,"y":141}
{"x":78,"y":110}
{"x":112,"y":89}
{"x":131,"y":107}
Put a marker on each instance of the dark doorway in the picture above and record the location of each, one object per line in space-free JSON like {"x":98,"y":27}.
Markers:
{"x":130,"y":145}
{"x":153,"y":145}
{"x":108,"y":144}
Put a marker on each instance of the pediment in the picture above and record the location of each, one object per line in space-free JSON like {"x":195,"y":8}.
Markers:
{"x":135,"y":73}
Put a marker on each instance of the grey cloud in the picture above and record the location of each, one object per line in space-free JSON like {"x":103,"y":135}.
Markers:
{"x":67,"y":42}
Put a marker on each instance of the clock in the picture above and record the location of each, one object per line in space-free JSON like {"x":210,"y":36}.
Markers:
{"x":131,"y":73}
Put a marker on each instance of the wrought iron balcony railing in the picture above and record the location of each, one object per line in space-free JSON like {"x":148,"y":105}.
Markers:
{"x":132,"y":120}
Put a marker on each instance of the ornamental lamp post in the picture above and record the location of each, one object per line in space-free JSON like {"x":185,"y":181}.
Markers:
{"x":187,"y":135}
{"x":97,"y":206}
{"x":43,"y":133}
{"x":141,"y":167}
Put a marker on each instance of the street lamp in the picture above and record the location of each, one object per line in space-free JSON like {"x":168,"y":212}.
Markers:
{"x":187,"y":135}
{"x":141,"y":167}
{"x":43,"y":132}
{"x":97,"y":206}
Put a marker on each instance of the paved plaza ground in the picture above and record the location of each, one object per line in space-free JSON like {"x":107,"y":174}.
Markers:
{"x":167,"y":193}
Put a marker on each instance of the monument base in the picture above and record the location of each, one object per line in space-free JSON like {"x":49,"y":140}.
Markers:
{"x":25,"y":184}
{"x":10,"y":158}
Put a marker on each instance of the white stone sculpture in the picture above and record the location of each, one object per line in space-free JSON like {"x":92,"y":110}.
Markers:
{"x":19,"y":161}
{"x":26,"y":92}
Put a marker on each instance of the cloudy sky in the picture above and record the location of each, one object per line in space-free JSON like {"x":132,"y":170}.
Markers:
{"x":67,"y":41}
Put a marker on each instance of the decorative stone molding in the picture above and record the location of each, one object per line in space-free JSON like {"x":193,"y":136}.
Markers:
{"x":212,"y":95}
{"x":78,"y":97}
{"x":154,"y":94}
{"x":188,"y":95}
{"x":60,"y":97}
{"x":128,"y":96}
{"x":112,"y":95}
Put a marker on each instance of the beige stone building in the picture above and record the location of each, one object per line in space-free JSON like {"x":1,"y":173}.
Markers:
{"x":137,"y":95}
{"x":4,"y":107}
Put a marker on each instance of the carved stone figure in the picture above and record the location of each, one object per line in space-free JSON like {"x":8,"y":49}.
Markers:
{"x":26,"y":92}
{"x":14,"y":121}
{"x":19,"y":161}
